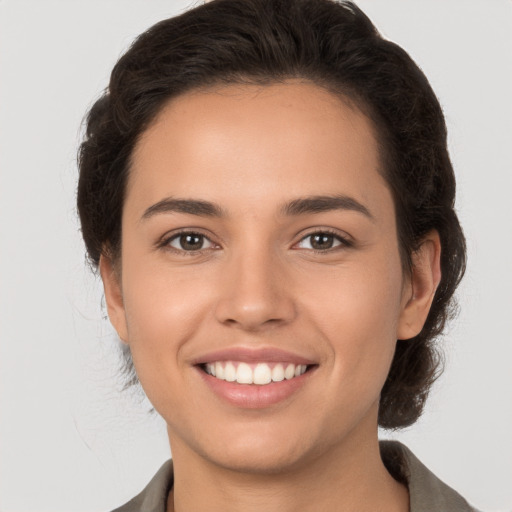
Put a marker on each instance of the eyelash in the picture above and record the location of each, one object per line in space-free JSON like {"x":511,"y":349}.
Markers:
{"x":166,"y":241}
{"x":344,"y":243}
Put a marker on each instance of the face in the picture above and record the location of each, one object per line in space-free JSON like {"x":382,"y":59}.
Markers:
{"x":260,"y":287}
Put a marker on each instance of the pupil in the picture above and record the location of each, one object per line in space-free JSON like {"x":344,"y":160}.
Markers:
{"x":322,"y":241}
{"x":191,"y":242}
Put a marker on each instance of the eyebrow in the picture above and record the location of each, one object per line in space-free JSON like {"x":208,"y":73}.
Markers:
{"x":190,"y":206}
{"x":319,"y":204}
{"x":299,"y":206}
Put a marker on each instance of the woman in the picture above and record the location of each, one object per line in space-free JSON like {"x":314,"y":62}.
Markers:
{"x":266,"y":191}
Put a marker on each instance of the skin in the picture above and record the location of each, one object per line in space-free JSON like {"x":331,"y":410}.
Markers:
{"x":258,"y":283}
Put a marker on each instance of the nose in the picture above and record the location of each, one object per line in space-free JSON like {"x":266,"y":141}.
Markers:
{"x":255,"y":293}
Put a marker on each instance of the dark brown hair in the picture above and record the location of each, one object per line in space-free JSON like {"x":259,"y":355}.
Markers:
{"x":334,"y":45}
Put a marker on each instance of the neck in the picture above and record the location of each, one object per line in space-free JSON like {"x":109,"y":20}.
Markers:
{"x":345,"y":478}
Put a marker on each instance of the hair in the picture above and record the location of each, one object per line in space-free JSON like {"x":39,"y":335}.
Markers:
{"x":335,"y":46}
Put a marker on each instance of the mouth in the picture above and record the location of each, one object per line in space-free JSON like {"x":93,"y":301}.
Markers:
{"x":255,"y":379}
{"x":260,"y":374}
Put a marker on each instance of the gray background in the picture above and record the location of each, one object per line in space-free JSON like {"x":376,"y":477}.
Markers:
{"x":69,"y":440}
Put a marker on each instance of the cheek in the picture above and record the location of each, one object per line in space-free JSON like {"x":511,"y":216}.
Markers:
{"x":162,"y":308}
{"x":164,"y":312}
{"x":357,"y":312}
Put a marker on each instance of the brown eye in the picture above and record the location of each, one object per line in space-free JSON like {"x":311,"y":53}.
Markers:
{"x":190,"y":242}
{"x":322,"y":241}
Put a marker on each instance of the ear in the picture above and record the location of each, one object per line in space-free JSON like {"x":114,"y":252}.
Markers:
{"x":113,"y":296}
{"x":421,"y":287}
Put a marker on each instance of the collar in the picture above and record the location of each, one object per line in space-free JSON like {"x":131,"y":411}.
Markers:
{"x":427,"y":492}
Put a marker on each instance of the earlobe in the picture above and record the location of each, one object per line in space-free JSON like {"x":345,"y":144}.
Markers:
{"x":113,"y":297}
{"x":423,"y":282}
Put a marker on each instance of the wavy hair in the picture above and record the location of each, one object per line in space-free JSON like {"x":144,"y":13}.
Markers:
{"x":334,"y":45}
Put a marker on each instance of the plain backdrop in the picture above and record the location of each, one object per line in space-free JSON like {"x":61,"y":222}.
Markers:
{"x":69,"y":439}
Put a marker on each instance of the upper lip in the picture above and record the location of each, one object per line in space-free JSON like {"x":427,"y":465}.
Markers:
{"x":253,"y":355}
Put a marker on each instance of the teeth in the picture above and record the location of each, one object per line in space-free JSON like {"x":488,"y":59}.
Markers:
{"x":260,"y":374}
{"x":230,"y":372}
{"x":243,"y":374}
{"x":289,"y":373}
{"x":278,"y":373}
{"x":219,"y":370}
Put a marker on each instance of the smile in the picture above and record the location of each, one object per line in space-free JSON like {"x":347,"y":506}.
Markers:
{"x":261,"y":373}
{"x":255,"y":378}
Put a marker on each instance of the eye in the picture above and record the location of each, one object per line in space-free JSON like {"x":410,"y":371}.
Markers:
{"x":323,"y":241}
{"x":189,"y":242}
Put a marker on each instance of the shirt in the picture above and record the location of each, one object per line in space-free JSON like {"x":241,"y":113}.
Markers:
{"x":427,"y":493}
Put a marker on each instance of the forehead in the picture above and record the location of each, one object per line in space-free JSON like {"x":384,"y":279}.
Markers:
{"x":256,"y":142}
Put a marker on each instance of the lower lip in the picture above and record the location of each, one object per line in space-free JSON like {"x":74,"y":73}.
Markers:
{"x":254,"y":396}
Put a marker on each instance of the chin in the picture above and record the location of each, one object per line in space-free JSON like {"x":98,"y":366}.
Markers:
{"x":263,"y":449}
{"x":258,"y":461}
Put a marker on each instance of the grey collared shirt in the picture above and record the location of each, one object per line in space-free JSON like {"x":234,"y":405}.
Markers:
{"x":427,"y":493}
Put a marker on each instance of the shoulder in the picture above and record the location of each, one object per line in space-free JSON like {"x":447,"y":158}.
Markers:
{"x":153,"y":497}
{"x":426,"y":491}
